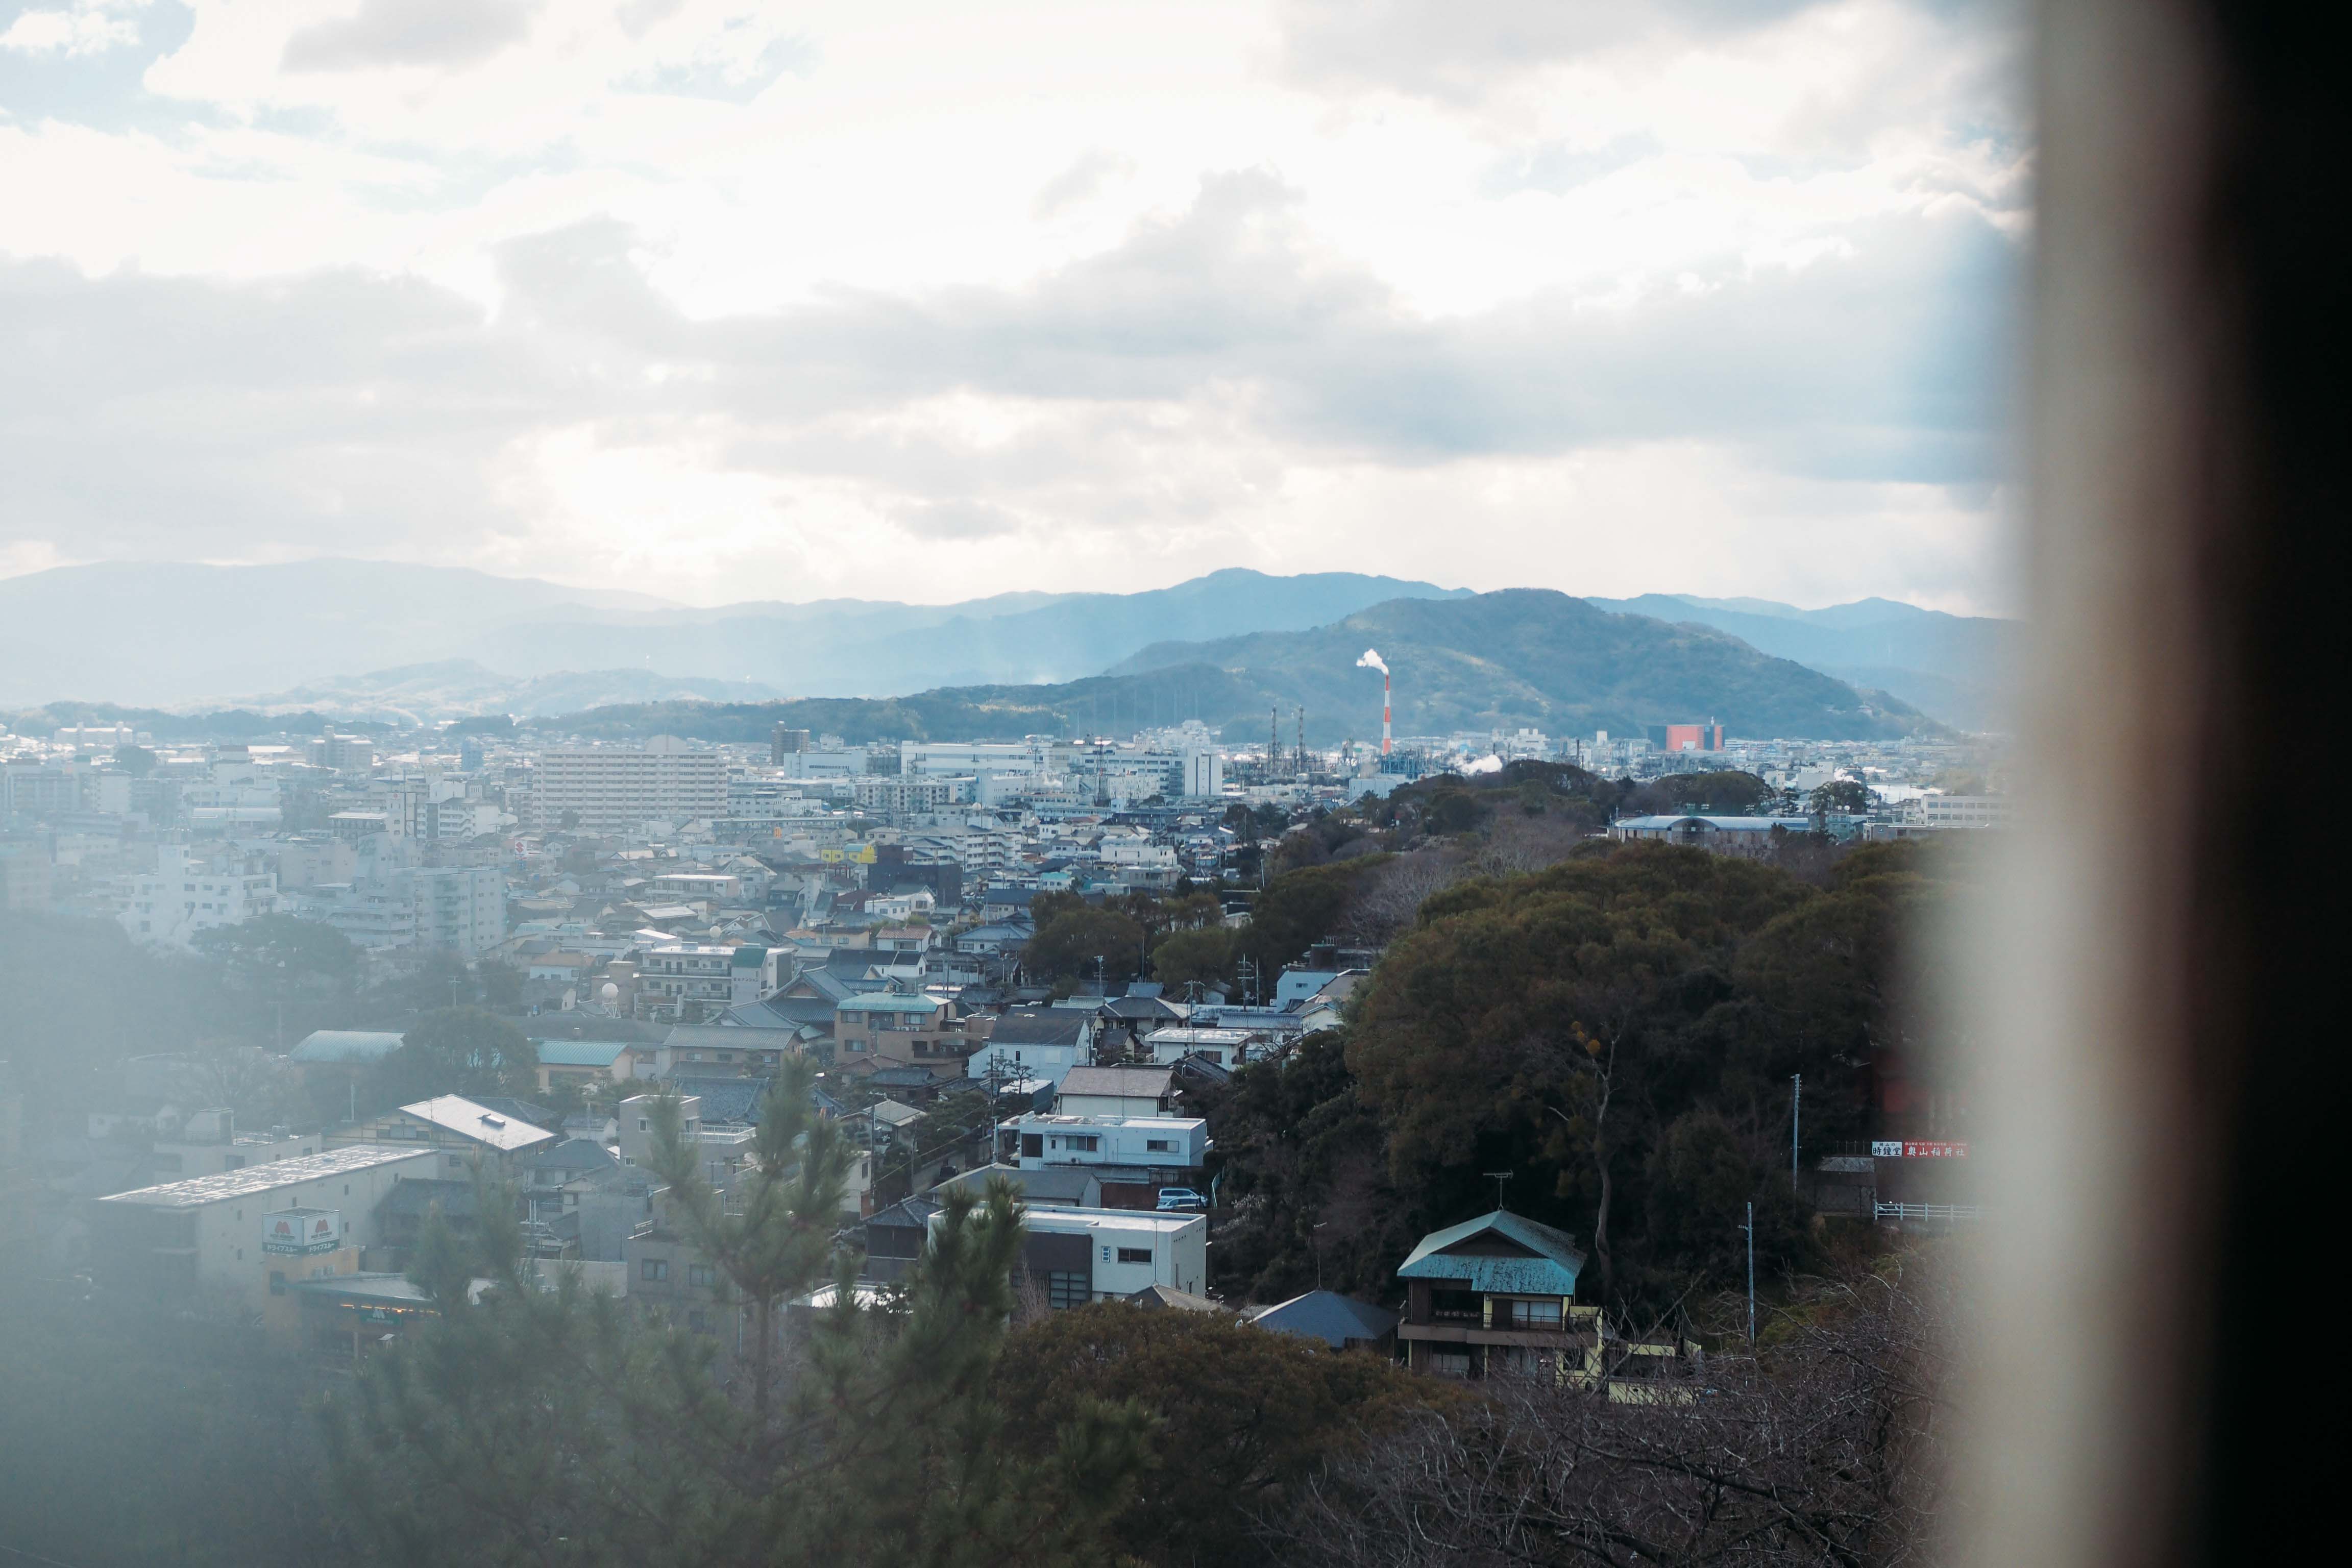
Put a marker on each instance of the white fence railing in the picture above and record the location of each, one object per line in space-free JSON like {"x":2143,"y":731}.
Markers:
{"x":1944,"y":1213}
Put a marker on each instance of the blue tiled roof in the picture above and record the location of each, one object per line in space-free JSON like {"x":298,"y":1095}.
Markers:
{"x":1548,"y":1266}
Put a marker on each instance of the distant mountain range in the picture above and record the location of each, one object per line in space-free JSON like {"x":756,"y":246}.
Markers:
{"x":1524,"y":657}
{"x":192,"y":635}
{"x":364,"y":640}
{"x":1949,"y":666}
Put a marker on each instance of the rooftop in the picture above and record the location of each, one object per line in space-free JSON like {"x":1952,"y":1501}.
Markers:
{"x":1067,"y":1217}
{"x":473,"y":1120}
{"x":1500,"y":1252}
{"x":254,"y":1180}
{"x":1150,"y":1124}
{"x":889,"y":1002}
{"x":1127,"y":1083}
{"x":1327,"y":1316}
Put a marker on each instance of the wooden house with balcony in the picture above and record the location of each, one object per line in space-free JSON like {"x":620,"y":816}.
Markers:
{"x":1492,"y":1293}
{"x":1496,"y":1296}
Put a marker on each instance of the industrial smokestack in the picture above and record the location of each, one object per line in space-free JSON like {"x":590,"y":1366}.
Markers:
{"x":1372,"y":660}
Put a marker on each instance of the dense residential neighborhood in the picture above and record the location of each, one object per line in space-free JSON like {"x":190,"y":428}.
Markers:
{"x":465,"y":1017}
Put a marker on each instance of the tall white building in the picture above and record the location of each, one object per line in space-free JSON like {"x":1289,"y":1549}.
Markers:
{"x":190,"y":892}
{"x":613,"y":790}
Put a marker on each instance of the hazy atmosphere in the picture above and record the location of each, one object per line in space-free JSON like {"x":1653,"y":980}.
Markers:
{"x":713,"y":301}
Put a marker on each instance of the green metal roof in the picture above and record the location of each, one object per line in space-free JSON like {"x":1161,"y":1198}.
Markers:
{"x":1548,"y":1266}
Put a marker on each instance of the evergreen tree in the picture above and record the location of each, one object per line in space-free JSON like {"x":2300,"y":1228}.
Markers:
{"x":557,"y":1425}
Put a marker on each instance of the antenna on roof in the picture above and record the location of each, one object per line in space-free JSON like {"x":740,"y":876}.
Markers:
{"x":1498,"y":1178}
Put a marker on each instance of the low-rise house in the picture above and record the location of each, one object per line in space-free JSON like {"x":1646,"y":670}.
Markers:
{"x":1497,"y":1295}
{"x":1117,"y":1091}
{"x":1072,"y":1256}
{"x":1134,"y":1156}
{"x":1220,"y":1047}
{"x":1491,"y":1292}
{"x":1033,"y":1042}
{"x":1341,"y":1321}
{"x":587,"y":1062}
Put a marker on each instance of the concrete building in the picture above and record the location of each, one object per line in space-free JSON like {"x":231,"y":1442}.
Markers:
{"x":1077,"y":1256}
{"x":189,"y":1240}
{"x":609,"y":790}
{"x":190,"y":892}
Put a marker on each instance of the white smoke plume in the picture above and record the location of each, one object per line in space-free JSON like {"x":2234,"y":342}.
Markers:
{"x":1371,"y":661}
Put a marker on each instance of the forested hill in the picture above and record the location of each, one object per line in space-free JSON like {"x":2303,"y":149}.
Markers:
{"x":1529,"y":655}
{"x":1524,"y":657}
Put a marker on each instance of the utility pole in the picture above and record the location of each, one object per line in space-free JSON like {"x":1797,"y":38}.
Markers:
{"x":1750,"y":1228}
{"x":1796,"y":1117}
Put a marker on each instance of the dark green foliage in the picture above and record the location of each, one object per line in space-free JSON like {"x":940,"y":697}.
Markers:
{"x":458,"y":1050}
{"x":1843,"y":796}
{"x":1449,"y":804}
{"x":1069,"y":944}
{"x":1243,"y":1414}
{"x":1722,"y":793}
{"x":1617,"y":1031}
{"x":1204,"y":954}
{"x":1297,"y":1147}
{"x":532,"y":1426}
{"x":1299,"y":908}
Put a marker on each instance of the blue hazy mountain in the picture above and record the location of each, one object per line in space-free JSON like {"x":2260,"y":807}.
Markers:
{"x":181,"y":635}
{"x":1951,"y":666}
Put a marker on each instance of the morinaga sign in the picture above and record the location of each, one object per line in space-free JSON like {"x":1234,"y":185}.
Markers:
{"x":301,"y":1231}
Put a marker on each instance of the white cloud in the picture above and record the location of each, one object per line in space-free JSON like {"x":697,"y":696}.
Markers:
{"x":715,"y":301}
{"x":89,"y":28}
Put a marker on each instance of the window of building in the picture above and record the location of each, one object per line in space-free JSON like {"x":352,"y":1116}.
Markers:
{"x":698,"y":1274}
{"x":1135,"y":1255}
{"x":1033,"y":1145}
{"x":1064,"y":1291}
{"x":1454,"y":1303}
{"x":277,"y":1283}
{"x":1543,"y":1314}
{"x":654,"y":1269}
{"x":1450,"y":1364}
{"x":1160,"y":1145}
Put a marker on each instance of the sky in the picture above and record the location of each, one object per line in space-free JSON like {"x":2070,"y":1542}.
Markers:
{"x":723,"y":301}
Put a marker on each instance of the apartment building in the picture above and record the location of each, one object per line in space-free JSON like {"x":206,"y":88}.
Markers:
{"x":608,"y":789}
{"x":191,"y":891}
{"x":209,"y":1234}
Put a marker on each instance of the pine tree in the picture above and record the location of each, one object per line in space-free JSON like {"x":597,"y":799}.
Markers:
{"x":560,"y":1427}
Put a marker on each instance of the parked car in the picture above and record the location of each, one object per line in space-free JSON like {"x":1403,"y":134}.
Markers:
{"x":1181,"y":1199}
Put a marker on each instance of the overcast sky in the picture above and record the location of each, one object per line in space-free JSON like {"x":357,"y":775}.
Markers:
{"x":722,"y":301}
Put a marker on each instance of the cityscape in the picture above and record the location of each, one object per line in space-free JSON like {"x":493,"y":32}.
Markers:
{"x":1270,"y":784}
